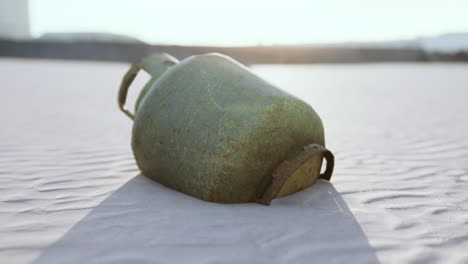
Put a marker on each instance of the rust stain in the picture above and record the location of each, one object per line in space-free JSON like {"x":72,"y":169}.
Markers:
{"x":177,"y":131}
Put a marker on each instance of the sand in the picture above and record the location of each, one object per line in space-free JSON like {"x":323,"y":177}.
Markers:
{"x":70,"y":191}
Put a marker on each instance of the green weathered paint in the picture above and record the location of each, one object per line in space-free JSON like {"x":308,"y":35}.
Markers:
{"x":210,"y":128}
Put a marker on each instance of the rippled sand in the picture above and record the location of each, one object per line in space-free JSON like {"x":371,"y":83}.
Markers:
{"x":70,"y":191}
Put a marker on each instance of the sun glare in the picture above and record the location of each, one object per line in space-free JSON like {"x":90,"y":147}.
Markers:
{"x":244,"y":22}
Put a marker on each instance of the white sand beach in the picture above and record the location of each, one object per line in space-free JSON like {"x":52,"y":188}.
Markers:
{"x":70,"y":191}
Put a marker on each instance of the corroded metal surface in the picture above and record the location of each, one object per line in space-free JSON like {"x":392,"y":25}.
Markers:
{"x":210,"y":128}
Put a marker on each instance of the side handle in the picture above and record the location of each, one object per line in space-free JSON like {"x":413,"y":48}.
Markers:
{"x":288,"y":167}
{"x":330,"y":158}
{"x":154,"y":64}
{"x":127,"y":80}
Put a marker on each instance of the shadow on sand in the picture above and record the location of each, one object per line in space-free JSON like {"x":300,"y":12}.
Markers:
{"x":145,"y":222}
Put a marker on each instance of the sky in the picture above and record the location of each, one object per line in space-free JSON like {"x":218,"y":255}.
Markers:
{"x":250,"y":22}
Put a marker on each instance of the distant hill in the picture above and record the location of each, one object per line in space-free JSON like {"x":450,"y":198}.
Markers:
{"x":94,"y":37}
{"x":112,"y":47}
{"x":447,"y":43}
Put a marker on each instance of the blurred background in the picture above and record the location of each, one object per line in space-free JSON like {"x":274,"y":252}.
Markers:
{"x":266,"y":32}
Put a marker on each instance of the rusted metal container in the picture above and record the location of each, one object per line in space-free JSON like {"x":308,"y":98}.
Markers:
{"x":209,"y":127}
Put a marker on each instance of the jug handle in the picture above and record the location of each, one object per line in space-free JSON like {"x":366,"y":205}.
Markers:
{"x":154,"y":64}
{"x":287,"y":168}
{"x":127,"y":80}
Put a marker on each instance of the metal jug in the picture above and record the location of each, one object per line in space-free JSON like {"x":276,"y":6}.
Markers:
{"x":209,"y":127}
